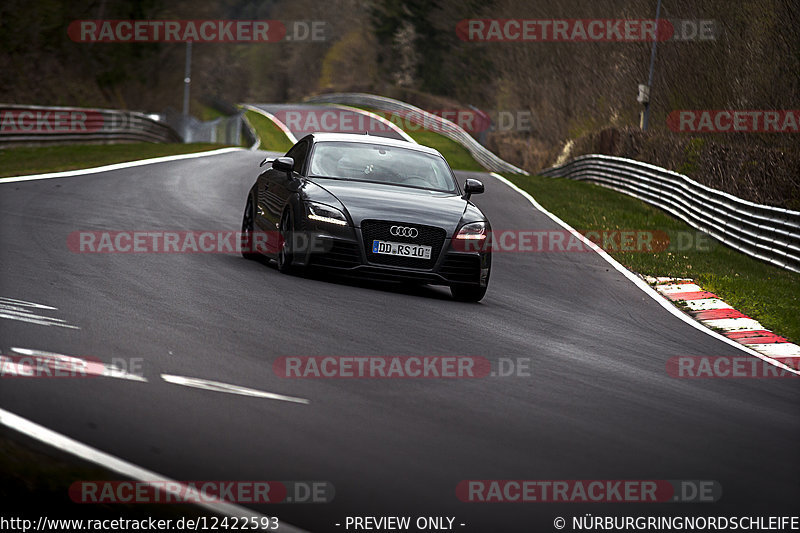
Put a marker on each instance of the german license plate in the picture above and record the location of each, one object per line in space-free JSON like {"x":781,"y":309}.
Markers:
{"x":401,"y":249}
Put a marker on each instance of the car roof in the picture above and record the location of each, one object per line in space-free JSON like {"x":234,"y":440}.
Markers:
{"x":371,"y":139}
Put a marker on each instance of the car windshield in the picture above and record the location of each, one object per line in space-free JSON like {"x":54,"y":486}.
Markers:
{"x":381,"y":164}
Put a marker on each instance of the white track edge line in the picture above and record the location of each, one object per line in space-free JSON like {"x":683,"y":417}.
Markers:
{"x":647,"y":289}
{"x":117,"y":166}
{"x":72,"y":446}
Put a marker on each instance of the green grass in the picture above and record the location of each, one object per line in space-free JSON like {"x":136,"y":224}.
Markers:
{"x":456,"y":155}
{"x":36,"y":160}
{"x":272,"y":137}
{"x":767,"y":293}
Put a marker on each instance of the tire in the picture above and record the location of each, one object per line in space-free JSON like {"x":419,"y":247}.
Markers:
{"x":285,"y":256}
{"x":246,"y":239}
{"x":468,"y":293}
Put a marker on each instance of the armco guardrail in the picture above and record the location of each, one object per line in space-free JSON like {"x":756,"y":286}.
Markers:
{"x":221,"y":130}
{"x":33,"y":125}
{"x":768,"y":233}
{"x":443,"y":126}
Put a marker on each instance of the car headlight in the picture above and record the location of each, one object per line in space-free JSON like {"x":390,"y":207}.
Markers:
{"x":325,"y":213}
{"x":476,"y":231}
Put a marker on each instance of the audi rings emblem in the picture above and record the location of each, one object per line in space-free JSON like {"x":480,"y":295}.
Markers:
{"x":403,"y":231}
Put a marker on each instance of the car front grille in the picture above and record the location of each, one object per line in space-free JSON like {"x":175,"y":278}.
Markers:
{"x":379,"y":230}
{"x":338,"y":254}
{"x":461,"y":268}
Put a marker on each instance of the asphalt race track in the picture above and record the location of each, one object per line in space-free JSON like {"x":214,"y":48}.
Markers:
{"x":598,"y":404}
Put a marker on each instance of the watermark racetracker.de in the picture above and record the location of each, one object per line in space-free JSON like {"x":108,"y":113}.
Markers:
{"x":400,"y":367}
{"x":728,"y":367}
{"x":196,"y":31}
{"x":531,"y":241}
{"x":343,"y":120}
{"x":586,"y":30}
{"x":734,"y":121}
{"x":588,"y":491}
{"x":201,"y":491}
{"x":26,"y":363}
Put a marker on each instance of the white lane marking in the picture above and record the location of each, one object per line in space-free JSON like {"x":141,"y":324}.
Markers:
{"x":640,"y":283}
{"x":41,"y":321}
{"x":54,"y":360}
{"x":706,"y":304}
{"x":733,"y":324}
{"x":117,"y":166}
{"x":283,"y":127}
{"x":120,"y":466}
{"x":23,"y":303}
{"x":778,"y":349}
{"x":22,"y":311}
{"x":17,"y":312}
{"x":379,"y":118}
{"x":226,"y":387}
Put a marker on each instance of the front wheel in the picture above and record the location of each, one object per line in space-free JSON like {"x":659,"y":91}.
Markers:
{"x":285,"y":255}
{"x":246,"y":239}
{"x":468,"y":293}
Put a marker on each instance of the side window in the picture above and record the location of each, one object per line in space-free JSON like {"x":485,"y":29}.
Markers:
{"x":299,"y":153}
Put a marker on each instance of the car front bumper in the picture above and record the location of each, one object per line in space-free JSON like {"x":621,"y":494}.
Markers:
{"x":346,"y":255}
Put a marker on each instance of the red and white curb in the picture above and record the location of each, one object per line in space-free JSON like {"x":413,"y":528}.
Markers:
{"x":710,"y":310}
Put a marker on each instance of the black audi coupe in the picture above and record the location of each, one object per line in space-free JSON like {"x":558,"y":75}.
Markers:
{"x":370,"y":207}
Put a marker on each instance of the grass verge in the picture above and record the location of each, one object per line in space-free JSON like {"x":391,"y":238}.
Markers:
{"x":456,"y":155}
{"x":272,"y":137}
{"x":40,"y":159}
{"x":767,"y":293}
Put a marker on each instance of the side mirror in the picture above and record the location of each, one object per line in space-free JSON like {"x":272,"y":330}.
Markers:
{"x":266,"y":161}
{"x":284,"y":164}
{"x":472,"y":187}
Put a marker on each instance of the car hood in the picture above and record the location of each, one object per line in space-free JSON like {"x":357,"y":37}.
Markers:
{"x":399,"y":204}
